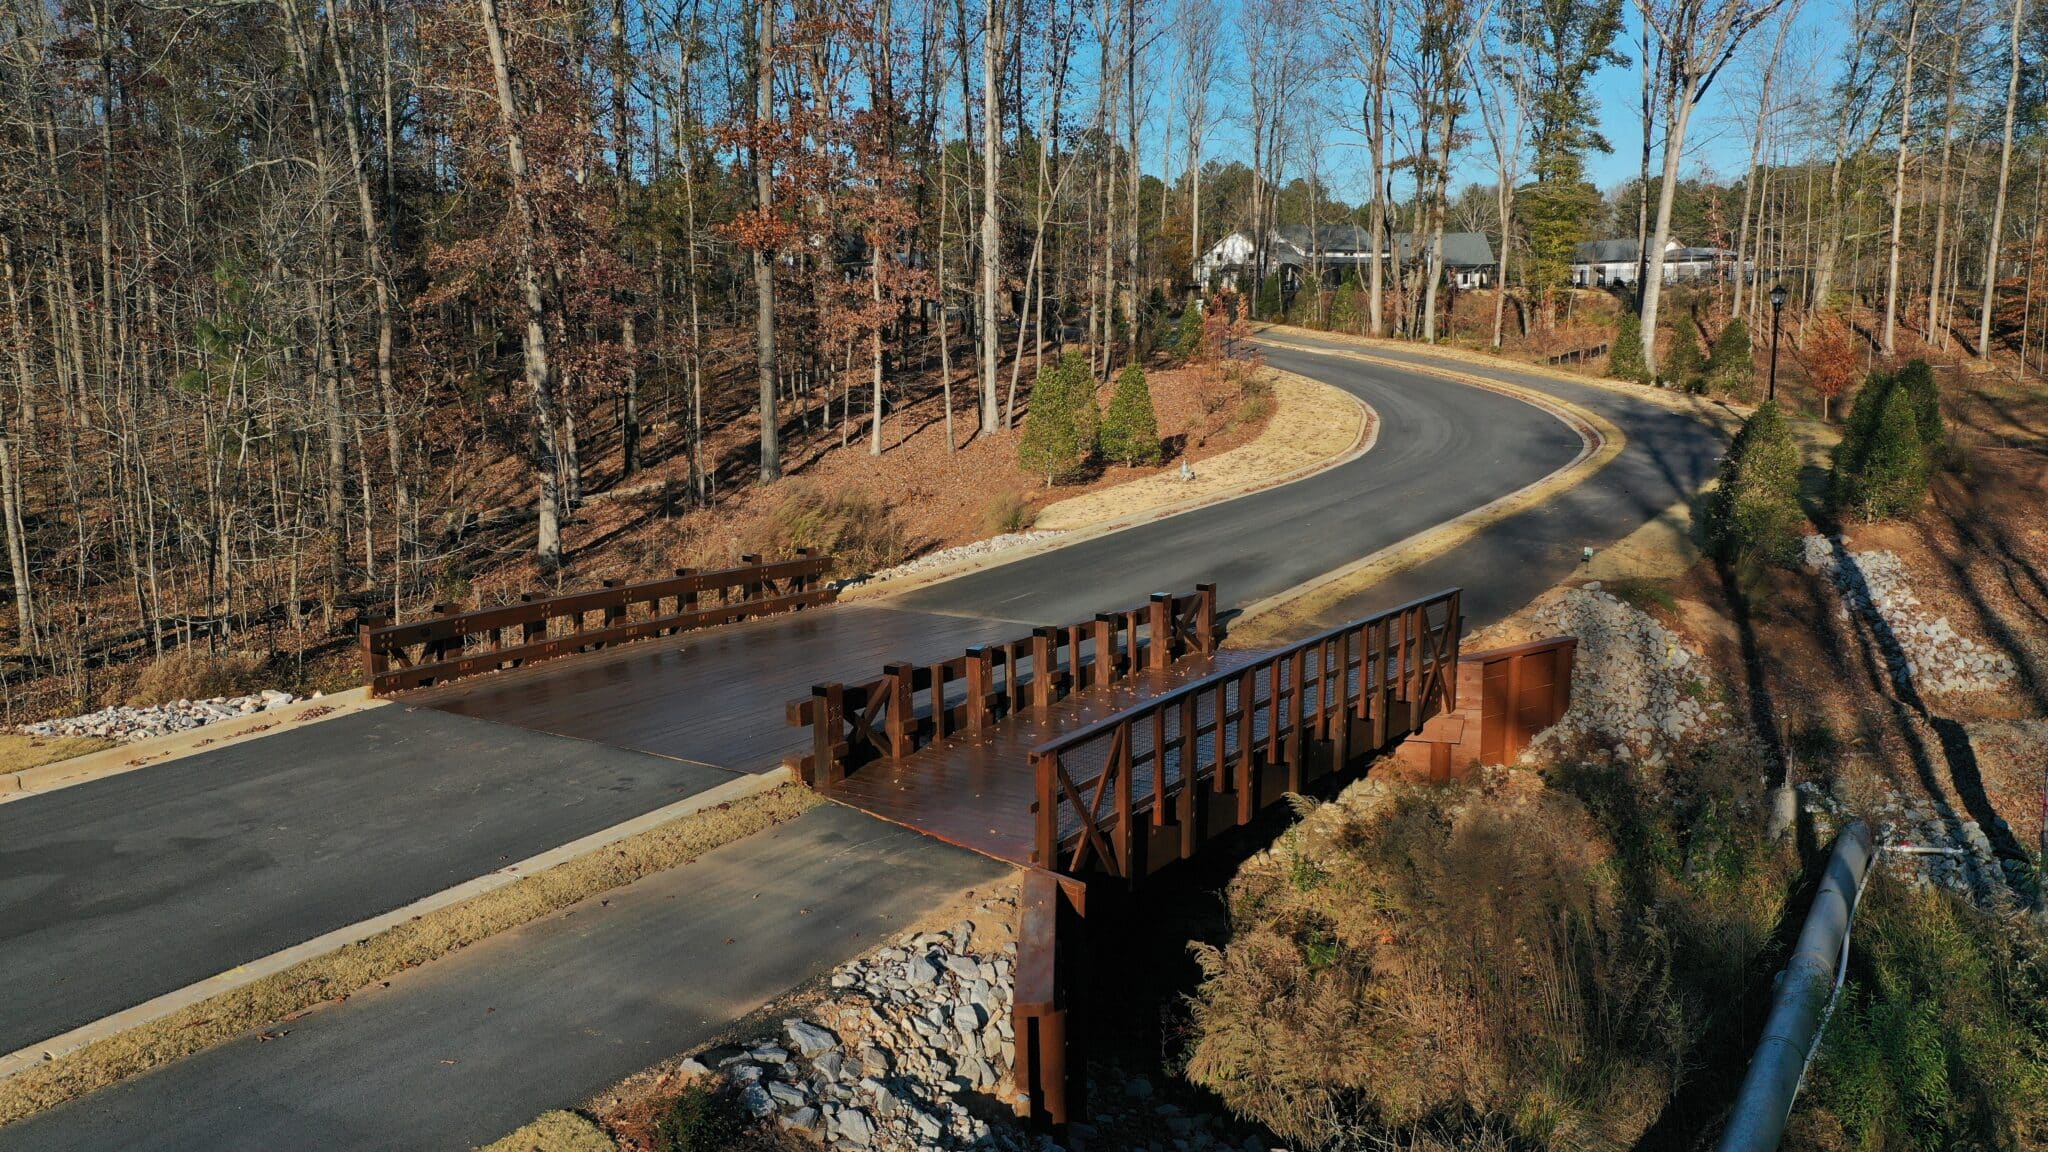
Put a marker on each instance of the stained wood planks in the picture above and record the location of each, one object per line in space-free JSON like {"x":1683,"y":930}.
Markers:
{"x":975,"y":789}
{"x":713,"y":696}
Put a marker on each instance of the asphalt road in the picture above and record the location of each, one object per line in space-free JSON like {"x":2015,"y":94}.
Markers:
{"x":1443,"y":448}
{"x":1668,"y":456}
{"x":117,"y":891}
{"x":464,"y":1050}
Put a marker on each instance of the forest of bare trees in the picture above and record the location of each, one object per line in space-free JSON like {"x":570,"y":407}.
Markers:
{"x":301,"y":297}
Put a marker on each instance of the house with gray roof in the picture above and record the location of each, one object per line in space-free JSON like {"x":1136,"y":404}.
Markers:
{"x":1339,"y":251}
{"x":1601,"y":263}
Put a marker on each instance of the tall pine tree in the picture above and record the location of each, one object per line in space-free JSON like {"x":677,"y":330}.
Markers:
{"x":1566,"y":41}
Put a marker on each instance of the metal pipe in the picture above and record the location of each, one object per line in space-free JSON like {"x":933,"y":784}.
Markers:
{"x":1805,"y":988}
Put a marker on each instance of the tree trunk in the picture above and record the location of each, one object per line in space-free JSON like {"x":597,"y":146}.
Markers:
{"x":1891,"y":283}
{"x":1653,"y":278}
{"x":1937,"y":332}
{"x":2012,"y":93}
{"x":991,"y":234}
{"x":1756,"y":146}
{"x":764,"y":263}
{"x":539,"y":381}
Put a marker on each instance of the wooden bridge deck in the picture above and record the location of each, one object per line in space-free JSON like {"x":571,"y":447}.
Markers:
{"x":976,"y":789}
{"x":708,"y":696}
{"x":1103,"y":751}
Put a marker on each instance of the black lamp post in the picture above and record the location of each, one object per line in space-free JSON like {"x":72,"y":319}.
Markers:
{"x":1777,"y":306}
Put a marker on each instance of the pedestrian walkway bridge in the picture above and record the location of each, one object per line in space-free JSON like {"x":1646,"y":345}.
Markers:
{"x":1091,"y":755}
{"x":1121,"y":744}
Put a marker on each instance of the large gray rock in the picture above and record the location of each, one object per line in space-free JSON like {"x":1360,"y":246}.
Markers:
{"x":809,"y":1038}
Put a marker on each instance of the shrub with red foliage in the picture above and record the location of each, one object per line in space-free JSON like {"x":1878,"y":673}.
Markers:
{"x":1831,"y":360}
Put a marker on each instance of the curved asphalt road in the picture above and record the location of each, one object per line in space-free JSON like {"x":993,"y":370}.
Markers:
{"x":1668,"y":456}
{"x":1444,"y":448}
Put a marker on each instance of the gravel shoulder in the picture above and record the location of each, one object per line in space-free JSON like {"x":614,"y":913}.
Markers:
{"x":92,"y":760}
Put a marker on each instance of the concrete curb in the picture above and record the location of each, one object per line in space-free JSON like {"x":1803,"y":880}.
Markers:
{"x":1600,"y":442}
{"x":254,"y":970}
{"x":176,"y":746}
{"x":1367,"y":438}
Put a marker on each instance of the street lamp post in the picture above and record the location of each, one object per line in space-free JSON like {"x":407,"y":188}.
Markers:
{"x":1777,"y":306}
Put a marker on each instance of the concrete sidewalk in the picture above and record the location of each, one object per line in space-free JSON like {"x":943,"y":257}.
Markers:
{"x":466,"y":1049}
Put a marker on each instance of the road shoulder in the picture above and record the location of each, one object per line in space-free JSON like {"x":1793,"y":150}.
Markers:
{"x":1316,"y":427}
{"x":45,"y":778}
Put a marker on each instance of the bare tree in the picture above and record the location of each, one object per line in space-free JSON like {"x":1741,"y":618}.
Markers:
{"x":1997,"y":236}
{"x":764,"y":256}
{"x":539,"y":378}
{"x":1500,"y":76}
{"x":1752,"y":174}
{"x":1910,"y":49}
{"x":1194,"y":35}
{"x":1364,"y":35}
{"x":1697,"y":38}
{"x":992,"y":36}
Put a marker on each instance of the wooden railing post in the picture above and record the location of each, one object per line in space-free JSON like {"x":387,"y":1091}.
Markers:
{"x":751,"y":590}
{"x":1045,"y":850}
{"x":1161,"y":627}
{"x":1205,"y":618}
{"x":1041,"y":668}
{"x":1247,"y":711}
{"x":532,"y":631}
{"x":828,"y":723}
{"x":937,"y":723}
{"x":614,"y":614}
{"x":1125,"y":836}
{"x":1292,"y":748}
{"x":902,"y":723}
{"x":1456,"y":623}
{"x":980,"y":688}
{"x":806,"y":581}
{"x":448,"y":647}
{"x":376,"y":661}
{"x":1107,"y":666}
{"x":1418,"y":692}
{"x":685,"y":601}
{"x":1050,"y":1064}
{"x":1190,"y":792}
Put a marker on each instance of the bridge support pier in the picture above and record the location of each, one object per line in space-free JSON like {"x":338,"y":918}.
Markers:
{"x":1051,"y":1067}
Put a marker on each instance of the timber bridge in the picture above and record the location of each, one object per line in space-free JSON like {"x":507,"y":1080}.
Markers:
{"x":1086,"y":754}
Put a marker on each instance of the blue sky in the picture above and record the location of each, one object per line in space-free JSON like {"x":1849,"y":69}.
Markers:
{"x":1717,"y":144}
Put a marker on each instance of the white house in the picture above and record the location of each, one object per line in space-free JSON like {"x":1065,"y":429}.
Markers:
{"x":1599,"y":263}
{"x":1337,"y":250}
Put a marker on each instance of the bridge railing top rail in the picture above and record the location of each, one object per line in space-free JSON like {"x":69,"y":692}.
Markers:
{"x":453,"y":644}
{"x":911,"y":705}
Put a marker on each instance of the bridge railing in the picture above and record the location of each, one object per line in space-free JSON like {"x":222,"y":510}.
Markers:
{"x":1579,"y":355}
{"x":1370,"y":681}
{"x":911,"y":705}
{"x":454,"y":644}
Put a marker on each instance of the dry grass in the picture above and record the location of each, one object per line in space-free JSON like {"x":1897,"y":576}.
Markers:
{"x":197,"y":674}
{"x":556,"y":1132}
{"x":335,"y":976}
{"x":19,"y":753}
{"x":1405,"y":956}
{"x":860,"y":532}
